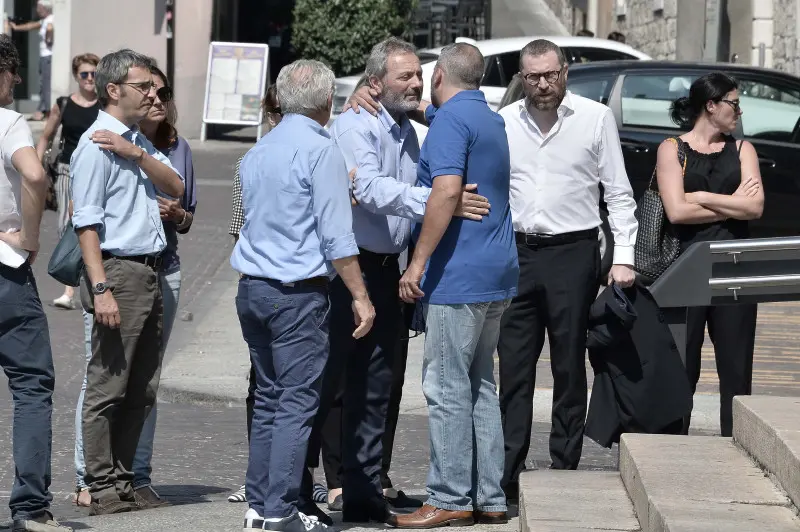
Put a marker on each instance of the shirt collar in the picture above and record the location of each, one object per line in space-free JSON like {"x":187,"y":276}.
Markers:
{"x":106,"y":121}
{"x":391,"y":125}
{"x":304,"y":121}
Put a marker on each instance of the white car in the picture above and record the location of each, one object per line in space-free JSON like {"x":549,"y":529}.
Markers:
{"x":502,"y":62}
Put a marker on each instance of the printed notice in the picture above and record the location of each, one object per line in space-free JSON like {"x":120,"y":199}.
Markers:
{"x":235,"y":83}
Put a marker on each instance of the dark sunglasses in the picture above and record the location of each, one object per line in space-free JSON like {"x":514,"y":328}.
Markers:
{"x":85,"y":75}
{"x":164,"y":94}
{"x":735,"y":104}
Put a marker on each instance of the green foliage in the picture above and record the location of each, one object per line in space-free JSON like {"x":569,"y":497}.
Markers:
{"x":341,"y":33}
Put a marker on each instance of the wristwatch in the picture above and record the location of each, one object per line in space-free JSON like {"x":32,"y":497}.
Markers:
{"x":99,"y":288}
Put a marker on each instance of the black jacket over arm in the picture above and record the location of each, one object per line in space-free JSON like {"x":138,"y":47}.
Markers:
{"x":640,"y":383}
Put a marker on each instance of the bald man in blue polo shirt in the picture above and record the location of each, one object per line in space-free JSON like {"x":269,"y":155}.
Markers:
{"x":465,"y":272}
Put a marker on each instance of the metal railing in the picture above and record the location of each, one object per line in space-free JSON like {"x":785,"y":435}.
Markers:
{"x":730,"y":272}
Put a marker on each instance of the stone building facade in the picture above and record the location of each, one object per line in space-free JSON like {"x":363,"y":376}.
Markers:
{"x":756,"y":32}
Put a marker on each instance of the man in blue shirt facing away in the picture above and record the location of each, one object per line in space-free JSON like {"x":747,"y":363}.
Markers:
{"x":297,"y":232}
{"x":115,"y":172}
{"x":383,"y":150}
{"x":466,"y":273}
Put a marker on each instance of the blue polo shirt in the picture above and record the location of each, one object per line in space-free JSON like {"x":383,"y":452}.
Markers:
{"x":475,"y":262}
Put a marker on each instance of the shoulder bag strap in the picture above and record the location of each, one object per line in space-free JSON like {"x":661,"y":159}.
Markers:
{"x":681,"y":160}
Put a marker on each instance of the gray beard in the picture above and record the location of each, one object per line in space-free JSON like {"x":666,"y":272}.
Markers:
{"x":397,"y":103}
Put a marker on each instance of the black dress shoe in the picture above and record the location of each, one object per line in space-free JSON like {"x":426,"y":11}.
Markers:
{"x":311,"y":509}
{"x":374,"y":510}
{"x":403,"y":501}
{"x":336,"y":504}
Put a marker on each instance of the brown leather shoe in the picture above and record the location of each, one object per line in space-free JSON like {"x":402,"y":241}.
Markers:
{"x":431,"y":517}
{"x":491,"y":518}
{"x":146,"y":498}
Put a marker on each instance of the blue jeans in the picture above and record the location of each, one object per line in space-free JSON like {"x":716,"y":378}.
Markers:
{"x":170,"y":289}
{"x":286,"y":330}
{"x":27,"y":360}
{"x":466,"y":433}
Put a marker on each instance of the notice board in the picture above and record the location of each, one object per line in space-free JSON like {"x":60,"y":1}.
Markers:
{"x":236,"y":81}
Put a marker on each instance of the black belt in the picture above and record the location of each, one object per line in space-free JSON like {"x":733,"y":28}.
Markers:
{"x":538,"y":240}
{"x":316,"y":282}
{"x":152,"y":261}
{"x":384,"y":259}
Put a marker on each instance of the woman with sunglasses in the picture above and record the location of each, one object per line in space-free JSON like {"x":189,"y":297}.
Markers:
{"x":710,"y":184}
{"x":74,"y":113}
{"x":177,"y":216}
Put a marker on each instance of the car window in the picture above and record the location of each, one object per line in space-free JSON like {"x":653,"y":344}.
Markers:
{"x":426,"y":57}
{"x":646,"y":98}
{"x":595,"y":88}
{"x":500,"y":69}
{"x":770,"y":110}
{"x":588,"y":55}
{"x":513,"y":92}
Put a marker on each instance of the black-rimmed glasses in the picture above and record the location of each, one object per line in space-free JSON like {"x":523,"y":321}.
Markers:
{"x":532,"y":78}
{"x":85,"y":75}
{"x":735,"y":104}
{"x":164,"y":94}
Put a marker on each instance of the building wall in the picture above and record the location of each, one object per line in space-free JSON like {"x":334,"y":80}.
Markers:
{"x":192,"y":37}
{"x":784,"y":50}
{"x":654,"y":33}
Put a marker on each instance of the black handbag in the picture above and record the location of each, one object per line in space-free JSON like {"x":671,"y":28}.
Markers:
{"x":657,"y":245}
{"x":66,"y":263}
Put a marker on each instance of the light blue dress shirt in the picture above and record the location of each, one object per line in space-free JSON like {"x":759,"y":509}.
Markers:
{"x":385,"y":156}
{"x":297,"y":216}
{"x":115,"y":195}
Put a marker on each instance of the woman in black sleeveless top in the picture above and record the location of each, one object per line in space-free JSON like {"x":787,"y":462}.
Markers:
{"x":713,"y":200}
{"x":74,"y":114}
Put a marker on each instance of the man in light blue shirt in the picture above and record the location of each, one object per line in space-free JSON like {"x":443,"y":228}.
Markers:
{"x":383,"y":150}
{"x":115,"y":172}
{"x":297,"y":232}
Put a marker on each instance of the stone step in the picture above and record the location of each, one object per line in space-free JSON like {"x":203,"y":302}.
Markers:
{"x":700,"y":483}
{"x":558,"y":501}
{"x":768,"y":429}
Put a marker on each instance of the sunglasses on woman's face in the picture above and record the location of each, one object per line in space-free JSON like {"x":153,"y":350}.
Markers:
{"x":85,"y":75}
{"x":164,"y":94}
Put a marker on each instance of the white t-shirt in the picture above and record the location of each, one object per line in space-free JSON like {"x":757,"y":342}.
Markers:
{"x":44,"y":49}
{"x":14,"y":134}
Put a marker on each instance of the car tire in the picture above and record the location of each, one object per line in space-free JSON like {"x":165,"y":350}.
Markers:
{"x":606,"y":247}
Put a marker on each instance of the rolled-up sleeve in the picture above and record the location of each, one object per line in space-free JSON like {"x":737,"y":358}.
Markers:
{"x":617,"y":190}
{"x":331,"y":205}
{"x":375,"y":192}
{"x":88,"y":170}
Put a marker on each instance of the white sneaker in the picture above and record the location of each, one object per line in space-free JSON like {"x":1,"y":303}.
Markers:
{"x":64,"y":302}
{"x":298,"y":522}
{"x":252,"y":521}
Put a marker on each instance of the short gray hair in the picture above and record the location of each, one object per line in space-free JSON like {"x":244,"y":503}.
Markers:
{"x":377,"y":63}
{"x":47,"y":4}
{"x":541,"y":47}
{"x":463,"y":64}
{"x":114,"y":67}
{"x":304,"y":87}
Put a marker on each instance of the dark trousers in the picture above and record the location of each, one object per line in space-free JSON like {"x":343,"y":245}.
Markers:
{"x":358,"y":381}
{"x":732,"y":329}
{"x":331,"y":441}
{"x":286,"y":330}
{"x":27,"y":360}
{"x":122,"y":376}
{"x":557,"y":285}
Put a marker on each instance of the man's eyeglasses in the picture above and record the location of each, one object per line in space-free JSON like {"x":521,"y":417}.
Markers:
{"x":142,"y":86}
{"x":87,"y":74}
{"x":164,"y":94}
{"x":735,"y":104}
{"x":532,"y":78}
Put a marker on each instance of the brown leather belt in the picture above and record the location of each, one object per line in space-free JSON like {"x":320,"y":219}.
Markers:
{"x":538,"y":240}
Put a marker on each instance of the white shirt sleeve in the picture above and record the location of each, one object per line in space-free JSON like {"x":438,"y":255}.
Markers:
{"x":617,"y":190}
{"x":17,"y":136}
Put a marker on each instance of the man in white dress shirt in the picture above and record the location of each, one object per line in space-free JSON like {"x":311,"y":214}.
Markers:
{"x":563,"y":147}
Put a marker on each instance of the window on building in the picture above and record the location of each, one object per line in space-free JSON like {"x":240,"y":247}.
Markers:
{"x":646,"y":98}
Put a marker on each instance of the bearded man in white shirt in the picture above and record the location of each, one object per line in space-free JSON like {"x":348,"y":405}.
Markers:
{"x":563,"y":147}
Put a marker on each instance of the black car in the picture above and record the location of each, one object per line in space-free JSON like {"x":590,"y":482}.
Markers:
{"x":640,"y":92}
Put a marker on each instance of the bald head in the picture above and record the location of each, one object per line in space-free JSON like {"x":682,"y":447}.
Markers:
{"x":462,"y":65}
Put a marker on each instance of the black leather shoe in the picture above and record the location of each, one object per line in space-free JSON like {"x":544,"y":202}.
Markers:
{"x":312,"y":510}
{"x":374,"y":510}
{"x":403,"y":501}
